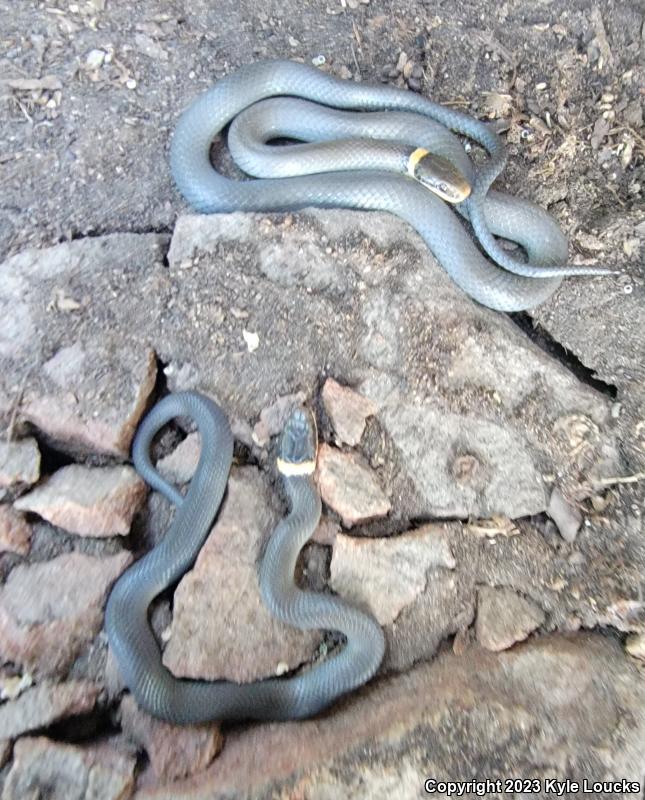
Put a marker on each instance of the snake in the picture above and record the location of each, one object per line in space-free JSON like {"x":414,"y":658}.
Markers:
{"x":131,"y":639}
{"x":399,"y":143}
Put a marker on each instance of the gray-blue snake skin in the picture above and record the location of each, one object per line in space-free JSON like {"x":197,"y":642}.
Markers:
{"x":508,"y":284}
{"x":131,"y":639}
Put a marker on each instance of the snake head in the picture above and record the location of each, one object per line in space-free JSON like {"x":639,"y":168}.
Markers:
{"x":298,"y":444}
{"x":439,"y":175}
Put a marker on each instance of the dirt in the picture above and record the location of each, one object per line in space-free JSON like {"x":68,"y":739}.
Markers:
{"x":91,"y":91}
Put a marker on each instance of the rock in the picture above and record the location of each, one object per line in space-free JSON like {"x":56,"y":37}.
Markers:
{"x":19,"y":463}
{"x":221,"y":628}
{"x":43,"y":768}
{"x":347,"y":411}
{"x":635,"y":645}
{"x":565,"y":515}
{"x":179,"y":466}
{"x":89,"y":501}
{"x":386,"y":575}
{"x":12,"y":686}
{"x":5,"y":751}
{"x":44,"y":704}
{"x":349,"y":486}
{"x":88,"y":394}
{"x":51,"y":610}
{"x":519,"y":713}
{"x":504,"y":617}
{"x":175,"y":751}
{"x":273,"y":417}
{"x":326,"y":531}
{"x":15,"y":532}
{"x":468,"y":407}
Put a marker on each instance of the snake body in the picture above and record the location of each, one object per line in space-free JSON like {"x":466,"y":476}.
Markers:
{"x":389,"y":115}
{"x":126,"y":618}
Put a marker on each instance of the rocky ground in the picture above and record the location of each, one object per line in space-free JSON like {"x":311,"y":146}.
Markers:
{"x":482,"y":474}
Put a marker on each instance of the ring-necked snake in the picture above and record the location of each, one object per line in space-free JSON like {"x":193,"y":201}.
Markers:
{"x":126,"y":618}
{"x":391,"y":116}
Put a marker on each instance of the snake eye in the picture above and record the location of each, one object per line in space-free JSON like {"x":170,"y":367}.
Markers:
{"x":443,"y":188}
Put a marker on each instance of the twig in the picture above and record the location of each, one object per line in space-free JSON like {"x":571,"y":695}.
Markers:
{"x":638,"y":476}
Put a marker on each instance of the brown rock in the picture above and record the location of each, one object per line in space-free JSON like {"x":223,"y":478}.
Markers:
{"x":50,"y":611}
{"x":19,"y":463}
{"x":349,"y":487}
{"x":385,"y":575}
{"x":15,"y":533}
{"x":221,"y":627}
{"x":180,"y":465}
{"x":519,"y":711}
{"x":88,"y":395}
{"x":504,"y":617}
{"x":46,"y":769}
{"x":635,"y":645}
{"x":565,"y":515}
{"x":273,"y":417}
{"x":77,"y":404}
{"x":326,"y":531}
{"x":44,"y":704}
{"x":89,"y":501}
{"x":5,"y":751}
{"x":347,"y":410}
{"x":175,"y":751}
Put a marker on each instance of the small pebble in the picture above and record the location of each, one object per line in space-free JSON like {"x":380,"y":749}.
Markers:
{"x":318,"y":61}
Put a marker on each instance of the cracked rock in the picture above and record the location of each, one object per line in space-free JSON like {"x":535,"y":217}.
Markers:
{"x":175,"y":751}
{"x":273,"y":418}
{"x":635,"y":645}
{"x":565,"y":515}
{"x":504,"y":617}
{"x":19,"y":463}
{"x":386,"y":575}
{"x":349,"y":486}
{"x":15,"y":532}
{"x":221,"y":628}
{"x":470,"y":412}
{"x":521,"y":707}
{"x":179,"y":466}
{"x":89,"y":501}
{"x":44,"y":704}
{"x":51,"y":610}
{"x":87,"y":395}
{"x":347,"y":410}
{"x":43,"y":768}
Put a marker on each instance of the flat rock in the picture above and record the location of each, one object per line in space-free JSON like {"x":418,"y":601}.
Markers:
{"x":51,"y":610}
{"x":347,"y":411}
{"x":221,"y":628}
{"x":15,"y":532}
{"x":349,"y":486}
{"x":565,"y":515}
{"x":473,"y":419}
{"x":273,"y":417}
{"x":180,"y":465}
{"x":19,"y":463}
{"x":635,"y":645}
{"x":611,"y":343}
{"x":87,"y":392}
{"x":174,"y":751}
{"x":89,"y":501}
{"x":520,"y":710}
{"x":386,"y":575}
{"x":504,"y":617}
{"x":43,"y":768}
{"x":44,"y":704}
